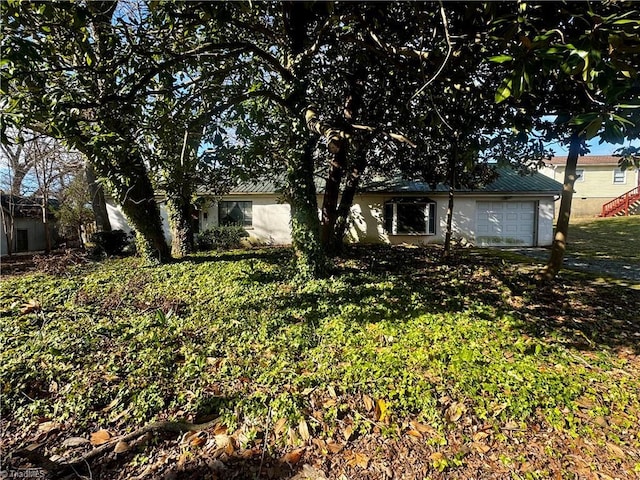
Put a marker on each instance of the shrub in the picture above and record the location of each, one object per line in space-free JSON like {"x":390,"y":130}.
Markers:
{"x":221,"y":238}
{"x":58,"y":264}
{"x":111,"y":243}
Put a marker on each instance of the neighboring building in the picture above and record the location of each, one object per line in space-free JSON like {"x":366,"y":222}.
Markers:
{"x":599,"y":181}
{"x":28,"y":228}
{"x":514,"y":210}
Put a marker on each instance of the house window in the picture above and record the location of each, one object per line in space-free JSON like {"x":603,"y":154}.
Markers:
{"x":235,"y":213}
{"x":619,"y":177}
{"x":580,"y":175}
{"x":410,"y":216}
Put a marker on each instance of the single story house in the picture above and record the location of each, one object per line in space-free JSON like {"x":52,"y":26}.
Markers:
{"x":599,"y":181}
{"x":24,"y":216}
{"x":514,"y":210}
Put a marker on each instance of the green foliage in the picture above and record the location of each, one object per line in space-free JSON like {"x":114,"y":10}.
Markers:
{"x":231,"y":336}
{"x":223,"y":237}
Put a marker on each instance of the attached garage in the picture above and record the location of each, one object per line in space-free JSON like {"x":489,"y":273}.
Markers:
{"x":506,"y":223}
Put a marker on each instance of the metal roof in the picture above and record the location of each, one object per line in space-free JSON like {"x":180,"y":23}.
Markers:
{"x":508,"y":181}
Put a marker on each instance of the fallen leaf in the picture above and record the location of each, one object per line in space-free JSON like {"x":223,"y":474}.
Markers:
{"x":347,"y":432}
{"x":121,"y":447}
{"x":455,"y":411}
{"x":72,"y":442}
{"x":310,"y":473}
{"x":511,"y":425}
{"x":100,"y":437}
{"x":360,"y":460}
{"x":293,"y":456}
{"x":31,"y":306}
{"x":422,"y":427}
{"x":280,"y":426}
{"x":307,"y":391}
{"x":332,"y":391}
{"x":334,"y":447}
{"x":330,"y":403}
{"x":480,"y":447}
{"x":303,"y":428}
{"x":478,"y":436}
{"x":414,"y":433}
{"x":381,"y":410}
{"x":368,"y":403}
{"x":46,"y":427}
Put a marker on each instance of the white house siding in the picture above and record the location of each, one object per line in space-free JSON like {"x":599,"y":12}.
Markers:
{"x":118,"y":219}
{"x":367,"y":216}
{"x":270,"y":218}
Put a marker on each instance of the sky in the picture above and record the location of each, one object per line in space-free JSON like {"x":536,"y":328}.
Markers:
{"x":595,"y":147}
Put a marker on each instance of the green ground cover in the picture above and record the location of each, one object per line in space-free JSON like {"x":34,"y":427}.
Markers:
{"x":394,"y":343}
{"x":614,"y":238}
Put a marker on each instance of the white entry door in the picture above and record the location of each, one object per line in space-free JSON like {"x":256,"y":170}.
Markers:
{"x":505,"y":224}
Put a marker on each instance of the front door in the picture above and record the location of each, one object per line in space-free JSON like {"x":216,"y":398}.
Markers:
{"x":22,"y":240}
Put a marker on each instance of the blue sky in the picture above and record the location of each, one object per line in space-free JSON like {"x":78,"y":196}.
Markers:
{"x":595,"y":147}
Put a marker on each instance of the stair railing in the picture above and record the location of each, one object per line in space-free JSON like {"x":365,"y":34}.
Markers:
{"x":621,"y":203}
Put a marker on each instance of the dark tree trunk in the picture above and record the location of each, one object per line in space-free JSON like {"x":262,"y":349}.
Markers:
{"x":179,"y":212}
{"x":562,"y":228}
{"x":305,"y":226}
{"x":453,"y":160}
{"x":331,"y":194}
{"x":348,"y":194}
{"x":98,"y":201}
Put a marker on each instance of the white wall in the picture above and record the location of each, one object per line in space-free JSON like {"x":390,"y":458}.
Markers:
{"x":119,"y":221}
{"x":367,"y":217}
{"x":271,"y":219}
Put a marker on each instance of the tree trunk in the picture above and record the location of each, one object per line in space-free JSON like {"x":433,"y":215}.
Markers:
{"x":346,"y":201}
{"x":305,"y":225}
{"x":98,"y":201}
{"x":179,"y":213}
{"x":452,"y":182}
{"x":142,"y":211}
{"x":45,"y":223}
{"x":331,"y":193}
{"x":8,"y":223}
{"x":560,"y":238}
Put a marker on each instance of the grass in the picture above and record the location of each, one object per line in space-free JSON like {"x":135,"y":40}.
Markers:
{"x":613,"y":238}
{"x":393,"y":337}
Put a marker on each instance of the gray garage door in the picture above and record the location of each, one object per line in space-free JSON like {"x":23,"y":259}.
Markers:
{"x":505,"y":223}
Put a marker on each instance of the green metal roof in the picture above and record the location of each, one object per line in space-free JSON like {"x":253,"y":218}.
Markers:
{"x":508,"y":181}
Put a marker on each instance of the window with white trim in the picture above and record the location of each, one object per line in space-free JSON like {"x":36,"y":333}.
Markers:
{"x":619,"y":177}
{"x":410,"y":216}
{"x":235,"y":213}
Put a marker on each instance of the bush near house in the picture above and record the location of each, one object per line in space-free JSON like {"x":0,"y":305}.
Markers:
{"x":221,"y":238}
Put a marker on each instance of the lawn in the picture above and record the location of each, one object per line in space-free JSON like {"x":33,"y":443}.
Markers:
{"x":614,"y":238}
{"x":397,"y":364}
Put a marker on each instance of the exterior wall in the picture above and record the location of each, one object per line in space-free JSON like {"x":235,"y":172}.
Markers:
{"x":36,"y":239}
{"x":596,"y":189}
{"x":119,"y":221}
{"x":367,"y":216}
{"x":270,"y":219}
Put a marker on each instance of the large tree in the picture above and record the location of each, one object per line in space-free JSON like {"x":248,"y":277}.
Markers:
{"x":73,"y":71}
{"x":578,"y":62}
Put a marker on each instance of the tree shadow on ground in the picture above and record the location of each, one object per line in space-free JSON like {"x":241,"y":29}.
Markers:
{"x":574,"y":308}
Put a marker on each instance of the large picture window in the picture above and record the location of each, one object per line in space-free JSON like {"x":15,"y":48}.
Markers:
{"x":235,"y":213}
{"x":410,"y":216}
